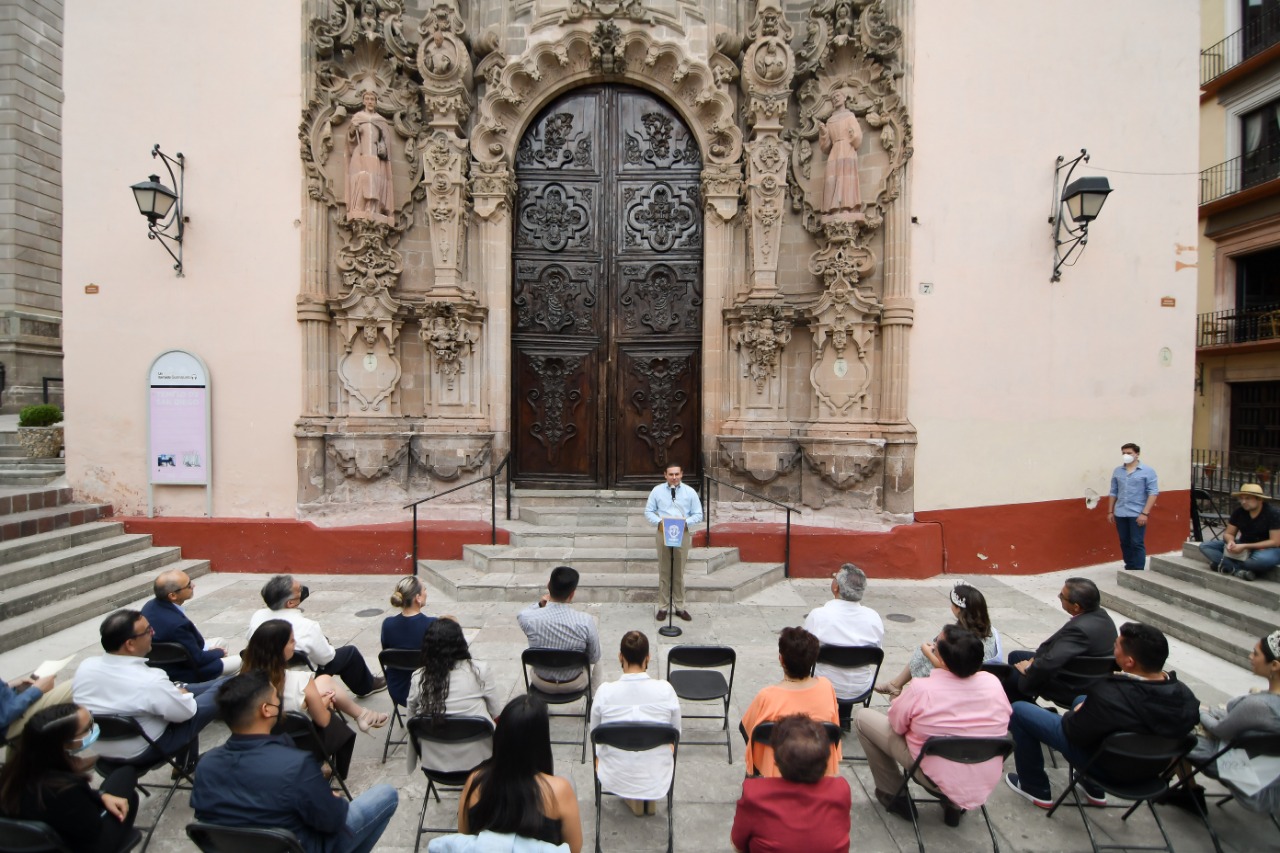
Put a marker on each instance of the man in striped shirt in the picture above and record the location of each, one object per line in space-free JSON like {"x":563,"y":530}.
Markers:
{"x":550,"y":623}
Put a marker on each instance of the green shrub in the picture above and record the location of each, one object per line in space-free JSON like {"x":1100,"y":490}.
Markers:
{"x":39,"y":416}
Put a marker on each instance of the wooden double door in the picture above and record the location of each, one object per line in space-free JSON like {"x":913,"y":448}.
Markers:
{"x":606,"y":305}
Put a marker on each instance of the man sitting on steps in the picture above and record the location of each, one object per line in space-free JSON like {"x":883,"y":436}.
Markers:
{"x":1250,"y":546}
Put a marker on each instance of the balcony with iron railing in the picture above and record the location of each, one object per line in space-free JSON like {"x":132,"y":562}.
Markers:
{"x":1234,"y":327}
{"x":1237,"y":53}
{"x":1246,"y":176}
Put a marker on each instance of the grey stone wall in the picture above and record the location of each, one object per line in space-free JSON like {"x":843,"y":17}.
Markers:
{"x":31,"y":98}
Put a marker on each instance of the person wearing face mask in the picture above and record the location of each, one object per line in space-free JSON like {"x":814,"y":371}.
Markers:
{"x":47,"y":780}
{"x":283,"y":596}
{"x":1133,"y":496}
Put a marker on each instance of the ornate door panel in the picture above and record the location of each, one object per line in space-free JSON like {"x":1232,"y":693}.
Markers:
{"x":607,"y":293}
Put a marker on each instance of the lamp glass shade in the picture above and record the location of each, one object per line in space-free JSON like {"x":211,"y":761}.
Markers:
{"x":1084,"y":197}
{"x":154,"y":198}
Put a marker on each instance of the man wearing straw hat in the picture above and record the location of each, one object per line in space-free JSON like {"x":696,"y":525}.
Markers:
{"x":1250,"y":546}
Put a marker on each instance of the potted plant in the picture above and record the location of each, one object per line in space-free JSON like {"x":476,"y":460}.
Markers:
{"x":37,"y":433}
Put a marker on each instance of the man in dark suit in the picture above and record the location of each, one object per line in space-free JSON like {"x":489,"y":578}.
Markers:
{"x":1089,"y":633}
{"x":164,"y":612}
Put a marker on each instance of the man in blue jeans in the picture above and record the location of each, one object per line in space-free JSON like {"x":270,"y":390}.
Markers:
{"x":1133,"y":496}
{"x":1250,"y":546}
{"x":1141,"y":698}
{"x":260,"y":779}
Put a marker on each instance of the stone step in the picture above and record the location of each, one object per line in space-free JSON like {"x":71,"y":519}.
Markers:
{"x":1195,"y":570}
{"x":9,"y":438}
{"x":50,"y":564}
{"x":23,"y":499}
{"x":67,"y":531}
{"x":42,"y":463}
{"x":37,"y":521}
{"x":504,"y":559}
{"x":629,"y":518}
{"x":27,"y":477}
{"x":41,"y":622}
{"x":52,"y":588}
{"x":465,"y":583}
{"x":1203,"y":632}
{"x":527,"y":536}
{"x":13,"y":450}
{"x":1224,"y":608}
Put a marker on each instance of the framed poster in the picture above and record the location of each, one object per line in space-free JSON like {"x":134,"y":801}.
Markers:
{"x":178,"y":422}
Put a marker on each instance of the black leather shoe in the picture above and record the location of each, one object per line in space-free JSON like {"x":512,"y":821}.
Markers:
{"x":684,"y":614}
{"x":661,"y":614}
{"x":900,"y":806}
{"x":379,"y":684}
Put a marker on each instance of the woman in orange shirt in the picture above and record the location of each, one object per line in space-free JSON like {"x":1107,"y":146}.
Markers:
{"x":799,"y":692}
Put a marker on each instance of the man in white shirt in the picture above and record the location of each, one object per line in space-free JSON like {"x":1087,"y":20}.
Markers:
{"x":639,"y":778}
{"x":844,"y":621}
{"x":672,"y":499}
{"x":283,"y":595}
{"x":121,"y":682}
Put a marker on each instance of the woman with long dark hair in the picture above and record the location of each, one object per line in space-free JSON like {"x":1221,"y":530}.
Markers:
{"x":450,"y":684}
{"x":47,"y":779}
{"x":516,"y":790}
{"x":969,"y":607}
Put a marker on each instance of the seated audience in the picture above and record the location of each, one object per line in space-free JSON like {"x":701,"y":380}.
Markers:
{"x":804,"y":809}
{"x":956,"y":700}
{"x":1141,"y":698}
{"x":171,"y":625}
{"x":260,"y":779}
{"x":845,"y":621}
{"x":550,"y":623}
{"x":405,"y":630}
{"x":1250,"y":546}
{"x":799,"y":692}
{"x":516,"y":791}
{"x":120,"y":682}
{"x":451,"y":684}
{"x":1089,"y":633}
{"x":1251,"y":714}
{"x":47,"y":779}
{"x":283,"y":596}
{"x":639,"y":778}
{"x":969,"y":609}
{"x":23,"y":698}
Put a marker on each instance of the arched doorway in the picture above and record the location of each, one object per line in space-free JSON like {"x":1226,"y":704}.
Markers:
{"x":606,"y":310}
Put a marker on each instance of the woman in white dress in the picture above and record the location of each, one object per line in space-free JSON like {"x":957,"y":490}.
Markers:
{"x":640,"y":778}
{"x":969,"y":607}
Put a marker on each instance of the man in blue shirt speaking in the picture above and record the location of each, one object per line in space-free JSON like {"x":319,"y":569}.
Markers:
{"x":672,"y":500}
{"x":1133,"y":496}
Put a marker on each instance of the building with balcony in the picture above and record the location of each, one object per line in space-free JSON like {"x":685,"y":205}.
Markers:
{"x":1236,"y":426}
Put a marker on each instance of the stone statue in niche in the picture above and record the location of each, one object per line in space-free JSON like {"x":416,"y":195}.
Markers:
{"x":369,"y":180}
{"x":840,"y":137}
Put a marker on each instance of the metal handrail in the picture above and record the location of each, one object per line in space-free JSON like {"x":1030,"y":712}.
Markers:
{"x":786,"y":558}
{"x":1248,"y":41}
{"x":493,"y":505}
{"x":1240,"y":173}
{"x":1221,"y":328}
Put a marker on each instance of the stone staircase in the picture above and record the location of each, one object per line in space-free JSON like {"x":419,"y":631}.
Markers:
{"x":1183,"y":598}
{"x":605,"y":537}
{"x":63,"y":562}
{"x":16,"y":470}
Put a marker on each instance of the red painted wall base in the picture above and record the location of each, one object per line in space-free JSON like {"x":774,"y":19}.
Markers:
{"x":1017,"y":539}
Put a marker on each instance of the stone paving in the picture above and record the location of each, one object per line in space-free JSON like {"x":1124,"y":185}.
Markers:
{"x":1024,"y":609}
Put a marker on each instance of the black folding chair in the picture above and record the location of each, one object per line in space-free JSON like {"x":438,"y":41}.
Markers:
{"x":1132,"y":767}
{"x":1087,"y":669}
{"x":1254,"y":745}
{"x":425,"y":732}
{"x":305,"y":736}
{"x":119,"y":727}
{"x":32,"y":836}
{"x":762,"y":734}
{"x":211,"y":838}
{"x":638,"y":737}
{"x":563,"y":659}
{"x":164,"y":655}
{"x":398,"y":660}
{"x":702,"y":681}
{"x":962,"y":750}
{"x":300,"y":661}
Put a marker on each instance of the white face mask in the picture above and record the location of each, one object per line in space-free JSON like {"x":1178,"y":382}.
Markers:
{"x":1126,"y":458}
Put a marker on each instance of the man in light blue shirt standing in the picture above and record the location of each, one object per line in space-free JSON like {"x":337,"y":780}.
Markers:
{"x":672,"y":500}
{"x":1133,"y":496}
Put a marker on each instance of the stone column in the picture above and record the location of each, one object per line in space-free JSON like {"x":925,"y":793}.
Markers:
{"x":721,"y":191}
{"x":492,"y":193}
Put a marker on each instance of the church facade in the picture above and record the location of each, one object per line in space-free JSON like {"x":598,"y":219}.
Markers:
{"x":798,"y":248}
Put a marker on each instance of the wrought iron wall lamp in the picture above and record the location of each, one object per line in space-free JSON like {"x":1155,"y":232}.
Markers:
{"x":163,"y":207}
{"x":1082,"y":200}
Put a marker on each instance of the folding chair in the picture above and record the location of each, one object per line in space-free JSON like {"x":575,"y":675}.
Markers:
{"x":32,"y":836}
{"x":762,"y":734}
{"x":164,"y":655}
{"x":1088,"y":668}
{"x":450,"y":731}
{"x":1254,"y":745}
{"x":211,"y":838}
{"x":560,"y":659}
{"x":304,"y":734}
{"x":300,"y":661}
{"x":638,"y":737}
{"x":119,"y":727}
{"x":708,"y":685}
{"x":1143,"y":763}
{"x":398,"y":660}
{"x":962,"y":750}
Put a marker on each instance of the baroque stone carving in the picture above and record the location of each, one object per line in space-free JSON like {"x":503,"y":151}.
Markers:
{"x":554,"y":401}
{"x":763,"y":460}
{"x":761,"y":339}
{"x":722,"y":190}
{"x":842,"y":464}
{"x":663,"y":398}
{"x":843,"y":324}
{"x":661,"y":297}
{"x":492,"y":188}
{"x":448,"y":336}
{"x":554,"y":297}
{"x":369,"y":181}
{"x":447,"y":456}
{"x":367,"y":458}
